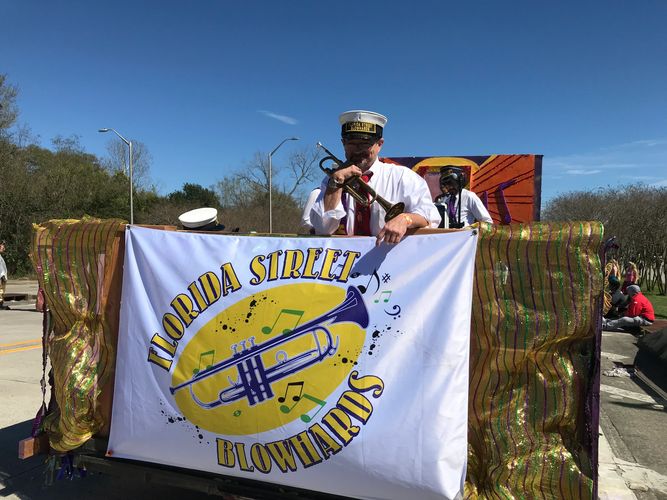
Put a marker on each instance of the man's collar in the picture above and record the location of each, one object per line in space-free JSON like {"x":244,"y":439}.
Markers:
{"x":375,"y":166}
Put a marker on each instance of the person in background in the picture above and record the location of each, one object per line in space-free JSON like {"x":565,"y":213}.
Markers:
{"x":3,"y":276}
{"x":305,"y":217}
{"x":639,"y":312}
{"x":336,"y":212}
{"x":617,"y":299}
{"x":463,"y":206}
{"x":631,"y":276}
{"x":612,"y":269}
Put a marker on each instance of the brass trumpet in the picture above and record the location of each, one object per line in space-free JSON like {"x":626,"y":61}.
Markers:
{"x":255,"y":380}
{"x":362,"y":193}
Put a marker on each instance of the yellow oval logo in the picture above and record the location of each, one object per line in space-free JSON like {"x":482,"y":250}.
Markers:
{"x":270,"y":358}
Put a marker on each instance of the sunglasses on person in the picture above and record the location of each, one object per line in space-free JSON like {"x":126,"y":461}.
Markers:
{"x":359,"y":144}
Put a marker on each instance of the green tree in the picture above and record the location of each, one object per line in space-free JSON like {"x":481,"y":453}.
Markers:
{"x":40,"y":184}
{"x":195,"y":195}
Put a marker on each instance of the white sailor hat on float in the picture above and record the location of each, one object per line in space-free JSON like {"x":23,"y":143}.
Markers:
{"x":201,"y":219}
{"x":360,"y":124}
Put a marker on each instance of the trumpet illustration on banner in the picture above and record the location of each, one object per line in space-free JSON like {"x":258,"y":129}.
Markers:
{"x":254,"y":379}
{"x":358,"y":189}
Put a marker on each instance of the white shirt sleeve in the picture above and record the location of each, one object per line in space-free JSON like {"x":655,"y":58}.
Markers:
{"x":325,"y":222}
{"x":478,"y":209}
{"x":305,"y":217}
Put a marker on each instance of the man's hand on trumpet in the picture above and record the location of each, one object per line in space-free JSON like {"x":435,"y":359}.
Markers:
{"x":340,"y":176}
{"x":336,"y":181}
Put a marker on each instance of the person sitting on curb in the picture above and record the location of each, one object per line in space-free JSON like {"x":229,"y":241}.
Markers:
{"x":618,"y":301}
{"x":639,"y":312}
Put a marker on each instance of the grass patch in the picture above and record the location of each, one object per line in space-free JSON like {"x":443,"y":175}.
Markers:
{"x":659,"y":304}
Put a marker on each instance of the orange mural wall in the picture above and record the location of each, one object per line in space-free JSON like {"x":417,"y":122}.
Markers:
{"x":509,"y":185}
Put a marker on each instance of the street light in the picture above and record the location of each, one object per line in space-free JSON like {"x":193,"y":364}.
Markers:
{"x":270,"y":181}
{"x":129,"y":143}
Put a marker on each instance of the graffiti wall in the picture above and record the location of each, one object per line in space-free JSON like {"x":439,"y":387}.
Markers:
{"x":509,"y":185}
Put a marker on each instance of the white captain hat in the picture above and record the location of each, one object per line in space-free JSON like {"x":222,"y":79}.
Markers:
{"x":201,"y":219}
{"x":360,"y":124}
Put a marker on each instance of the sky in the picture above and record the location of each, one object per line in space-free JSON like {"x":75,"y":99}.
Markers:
{"x":206,"y":85}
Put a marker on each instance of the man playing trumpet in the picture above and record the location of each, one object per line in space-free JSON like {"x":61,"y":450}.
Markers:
{"x":337,"y":212}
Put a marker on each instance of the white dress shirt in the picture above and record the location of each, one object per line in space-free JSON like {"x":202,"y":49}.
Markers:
{"x":472,"y":208}
{"x":305,"y":217}
{"x":394,"y":183}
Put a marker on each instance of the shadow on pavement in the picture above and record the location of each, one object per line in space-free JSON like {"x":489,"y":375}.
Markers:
{"x":25,"y":479}
{"x":22,"y":478}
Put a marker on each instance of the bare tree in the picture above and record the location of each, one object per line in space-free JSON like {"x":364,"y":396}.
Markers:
{"x":119,"y":157}
{"x":244,"y":194}
{"x":255,"y":175}
{"x":295,"y":179}
{"x":70,"y":144}
{"x":304,"y":169}
{"x":24,"y":135}
{"x":635,"y":214}
{"x":8,"y":108}
{"x":234,"y":192}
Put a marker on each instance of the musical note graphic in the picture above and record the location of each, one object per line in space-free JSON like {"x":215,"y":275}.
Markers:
{"x":308,"y":417}
{"x":363,"y":288}
{"x":296,"y":398}
{"x":396,"y":308}
{"x":287,"y":315}
{"x":208,"y":354}
{"x":382,"y":294}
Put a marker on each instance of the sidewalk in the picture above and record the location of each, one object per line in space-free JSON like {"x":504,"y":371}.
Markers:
{"x":611,"y":485}
{"x":20,"y":291}
{"x":633,"y":418}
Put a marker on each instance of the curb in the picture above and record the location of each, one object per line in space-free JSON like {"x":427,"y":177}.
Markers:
{"x":611,"y":486}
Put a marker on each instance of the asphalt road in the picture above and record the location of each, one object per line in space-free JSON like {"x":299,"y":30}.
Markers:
{"x":20,"y":399}
{"x":633,"y":461}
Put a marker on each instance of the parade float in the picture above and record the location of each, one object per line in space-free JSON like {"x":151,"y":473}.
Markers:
{"x":458,"y":362}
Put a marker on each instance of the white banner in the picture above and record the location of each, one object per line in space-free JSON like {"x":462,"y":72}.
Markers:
{"x":322,"y":363}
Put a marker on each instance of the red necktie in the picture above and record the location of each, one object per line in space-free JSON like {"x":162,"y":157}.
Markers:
{"x":362,"y":214}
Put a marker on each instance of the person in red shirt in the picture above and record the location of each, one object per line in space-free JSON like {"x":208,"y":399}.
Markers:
{"x":639,"y":312}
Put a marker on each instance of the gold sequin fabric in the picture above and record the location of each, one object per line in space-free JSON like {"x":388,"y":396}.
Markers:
{"x":532,"y":413}
{"x":70,"y":259}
